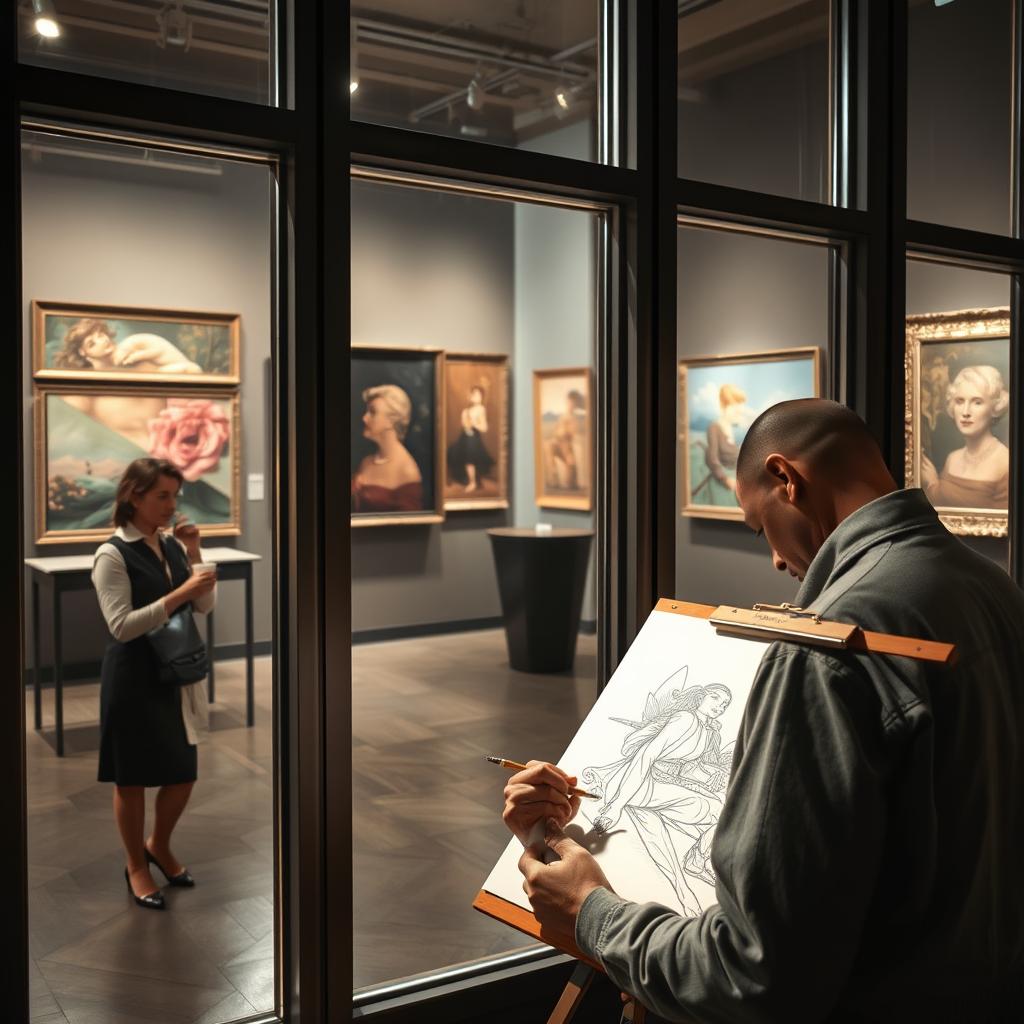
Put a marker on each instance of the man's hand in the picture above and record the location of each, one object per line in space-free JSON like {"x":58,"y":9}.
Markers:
{"x":556,"y":891}
{"x":540,"y":791}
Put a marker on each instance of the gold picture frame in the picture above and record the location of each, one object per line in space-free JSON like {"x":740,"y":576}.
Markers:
{"x":563,"y":432}
{"x":706,"y":397}
{"x":488,"y":372}
{"x":939,"y":347}
{"x":83,"y":444}
{"x":419,"y":374}
{"x":192,"y":347}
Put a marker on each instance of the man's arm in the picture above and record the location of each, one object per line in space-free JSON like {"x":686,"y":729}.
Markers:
{"x":796,"y":853}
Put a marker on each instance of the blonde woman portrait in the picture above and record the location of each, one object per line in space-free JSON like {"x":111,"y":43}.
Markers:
{"x":976,"y":475}
{"x":389,"y":479}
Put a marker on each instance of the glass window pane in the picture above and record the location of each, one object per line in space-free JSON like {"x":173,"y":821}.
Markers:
{"x":520,"y":73}
{"x":959,"y":110}
{"x":736,"y":358}
{"x":221,"y":48}
{"x":127,"y":251}
{"x":507,"y":292}
{"x":754,"y":95}
{"x":958,"y":373}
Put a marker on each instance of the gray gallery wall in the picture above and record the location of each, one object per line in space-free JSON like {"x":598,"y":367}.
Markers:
{"x":436,"y":270}
{"x":109,"y":232}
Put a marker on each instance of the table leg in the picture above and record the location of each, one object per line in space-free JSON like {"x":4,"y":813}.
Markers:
{"x":250,"y":717}
{"x":36,"y":655}
{"x":58,"y":672}
{"x":210,"y":652}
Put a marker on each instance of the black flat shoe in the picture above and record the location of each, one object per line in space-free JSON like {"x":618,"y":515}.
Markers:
{"x":154,"y":901}
{"x":183,"y":881}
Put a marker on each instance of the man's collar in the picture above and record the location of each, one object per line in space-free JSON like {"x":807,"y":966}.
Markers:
{"x":877,"y":521}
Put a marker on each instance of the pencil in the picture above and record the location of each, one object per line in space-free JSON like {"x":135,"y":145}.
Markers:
{"x":504,"y":762}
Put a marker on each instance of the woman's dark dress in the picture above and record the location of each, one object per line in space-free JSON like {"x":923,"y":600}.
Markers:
{"x":142,"y":733}
{"x":468,"y":450}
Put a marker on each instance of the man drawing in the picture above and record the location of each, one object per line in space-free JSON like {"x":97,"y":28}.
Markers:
{"x":868,"y":853}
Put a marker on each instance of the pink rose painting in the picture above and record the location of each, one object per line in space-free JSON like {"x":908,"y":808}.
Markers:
{"x":191,"y":433}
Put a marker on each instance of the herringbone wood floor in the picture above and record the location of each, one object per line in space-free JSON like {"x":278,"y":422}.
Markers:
{"x":427,"y":829}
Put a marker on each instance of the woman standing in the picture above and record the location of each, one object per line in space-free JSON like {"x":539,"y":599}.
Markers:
{"x":148,"y":728}
{"x":468,"y":459}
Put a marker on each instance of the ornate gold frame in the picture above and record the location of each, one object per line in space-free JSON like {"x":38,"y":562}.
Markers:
{"x":435,"y":514}
{"x":687,"y":507}
{"x":500,"y":362}
{"x":39,"y":395}
{"x":541,"y":498}
{"x":967,"y":325}
{"x":42,"y":309}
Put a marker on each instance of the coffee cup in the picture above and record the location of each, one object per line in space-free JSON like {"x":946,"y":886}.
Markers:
{"x":201,"y":567}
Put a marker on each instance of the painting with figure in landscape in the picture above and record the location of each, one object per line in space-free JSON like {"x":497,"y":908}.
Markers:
{"x":476,"y":440}
{"x":957,"y":416}
{"x":656,"y":749}
{"x":396,"y":433}
{"x":85,"y":437}
{"x":72,"y":341}
{"x":563,"y":438}
{"x":719,"y":397}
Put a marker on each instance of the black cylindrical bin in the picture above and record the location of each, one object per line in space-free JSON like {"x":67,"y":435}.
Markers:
{"x":541,"y":577}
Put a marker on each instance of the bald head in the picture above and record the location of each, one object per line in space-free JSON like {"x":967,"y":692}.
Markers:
{"x":829,"y":438}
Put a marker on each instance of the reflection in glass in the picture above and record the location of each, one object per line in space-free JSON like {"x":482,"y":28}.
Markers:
{"x":220,"y":48}
{"x":754,"y":93}
{"x":959,"y":113}
{"x":517,"y":73}
{"x":122,"y":245}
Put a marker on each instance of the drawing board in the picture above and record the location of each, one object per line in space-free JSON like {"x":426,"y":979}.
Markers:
{"x":657,"y":746}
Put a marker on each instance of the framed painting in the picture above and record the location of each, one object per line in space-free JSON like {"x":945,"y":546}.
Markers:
{"x":85,"y":437}
{"x":956,"y":415}
{"x":719,"y":397}
{"x":71,"y":341}
{"x":397,"y":436}
{"x":563,"y":439}
{"x":476,"y":438}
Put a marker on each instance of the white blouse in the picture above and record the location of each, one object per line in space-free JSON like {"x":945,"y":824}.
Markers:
{"x":114,"y":590}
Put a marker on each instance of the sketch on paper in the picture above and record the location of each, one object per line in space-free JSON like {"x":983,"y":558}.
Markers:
{"x":670,"y":781}
{"x":657,"y":750}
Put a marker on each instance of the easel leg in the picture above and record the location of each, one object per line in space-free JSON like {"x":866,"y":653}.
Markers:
{"x":572,"y":996}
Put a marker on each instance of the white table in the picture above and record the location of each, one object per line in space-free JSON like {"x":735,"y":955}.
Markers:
{"x":62,"y":573}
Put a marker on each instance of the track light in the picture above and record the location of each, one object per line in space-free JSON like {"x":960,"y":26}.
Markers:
{"x":353,"y":70}
{"x":475,"y":94}
{"x":942,"y":3}
{"x":46,"y":23}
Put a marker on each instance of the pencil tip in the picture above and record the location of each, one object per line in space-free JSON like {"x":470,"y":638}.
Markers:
{"x":493,"y":760}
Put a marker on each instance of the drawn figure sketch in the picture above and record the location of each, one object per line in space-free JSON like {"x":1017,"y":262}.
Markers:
{"x":657,"y":750}
{"x":670,"y":781}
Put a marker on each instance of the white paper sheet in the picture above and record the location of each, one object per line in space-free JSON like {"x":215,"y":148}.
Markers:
{"x":678,"y":695}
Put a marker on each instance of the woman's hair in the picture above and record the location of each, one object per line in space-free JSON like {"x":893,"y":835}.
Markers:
{"x":69,"y":357}
{"x":729,"y":394}
{"x":692,"y":698}
{"x":481,"y":389}
{"x":396,"y":403}
{"x":576,"y":399}
{"x":140,"y":476}
{"x":989,"y":381}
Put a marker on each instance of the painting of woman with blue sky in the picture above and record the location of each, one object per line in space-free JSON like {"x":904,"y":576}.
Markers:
{"x":718,"y":400}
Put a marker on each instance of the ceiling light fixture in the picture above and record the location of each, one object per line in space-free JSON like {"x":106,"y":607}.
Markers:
{"x":353,"y":70}
{"x":46,"y":23}
{"x":942,"y":3}
{"x":475,"y":95}
{"x":175,"y":26}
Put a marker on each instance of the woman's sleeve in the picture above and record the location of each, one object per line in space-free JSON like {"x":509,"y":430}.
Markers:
{"x":712,"y":456}
{"x":114,"y":590}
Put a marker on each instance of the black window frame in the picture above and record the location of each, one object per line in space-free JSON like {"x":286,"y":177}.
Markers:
{"x":315,"y":143}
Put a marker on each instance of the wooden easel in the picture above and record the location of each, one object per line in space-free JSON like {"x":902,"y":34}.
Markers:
{"x":764,"y":622}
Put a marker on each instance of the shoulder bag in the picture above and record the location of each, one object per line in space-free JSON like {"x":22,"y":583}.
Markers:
{"x":179,"y":649}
